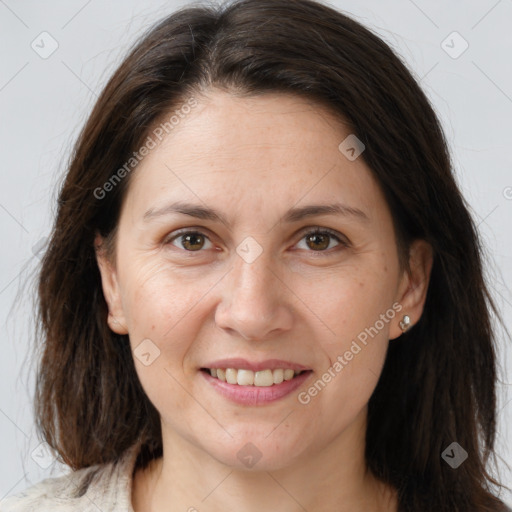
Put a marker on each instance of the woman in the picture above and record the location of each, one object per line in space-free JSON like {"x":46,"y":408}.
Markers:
{"x":263,"y":289}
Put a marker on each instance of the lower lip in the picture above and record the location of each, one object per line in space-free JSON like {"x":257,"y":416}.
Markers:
{"x":256,"y":395}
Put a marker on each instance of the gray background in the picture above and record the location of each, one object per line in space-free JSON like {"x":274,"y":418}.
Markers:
{"x":44,"y":102}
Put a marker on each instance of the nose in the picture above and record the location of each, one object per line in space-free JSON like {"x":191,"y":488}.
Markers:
{"x":255,"y":301}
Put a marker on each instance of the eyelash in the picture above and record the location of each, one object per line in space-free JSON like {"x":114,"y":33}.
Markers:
{"x":323,"y":231}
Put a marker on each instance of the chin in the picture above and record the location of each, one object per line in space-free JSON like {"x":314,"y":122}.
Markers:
{"x":255,"y":453}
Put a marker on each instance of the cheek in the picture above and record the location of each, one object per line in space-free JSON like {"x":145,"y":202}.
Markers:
{"x":349,"y":301}
{"x":160,"y":305}
{"x":356,"y":310}
{"x":162,"y":309}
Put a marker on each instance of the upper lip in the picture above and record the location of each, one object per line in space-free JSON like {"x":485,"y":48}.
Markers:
{"x":243,"y":364}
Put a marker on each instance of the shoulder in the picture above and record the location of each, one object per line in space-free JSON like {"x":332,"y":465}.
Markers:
{"x":57,"y":494}
{"x":105,"y":487}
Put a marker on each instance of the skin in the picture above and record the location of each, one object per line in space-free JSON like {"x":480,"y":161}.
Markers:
{"x":253,"y":159}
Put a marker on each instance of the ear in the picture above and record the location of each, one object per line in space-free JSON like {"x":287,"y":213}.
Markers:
{"x":413,"y":286}
{"x":109,"y":281}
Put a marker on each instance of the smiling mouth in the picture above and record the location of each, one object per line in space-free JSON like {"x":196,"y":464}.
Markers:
{"x":263,"y":378}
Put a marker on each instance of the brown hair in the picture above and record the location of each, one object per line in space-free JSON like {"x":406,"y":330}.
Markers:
{"x":438,"y":382}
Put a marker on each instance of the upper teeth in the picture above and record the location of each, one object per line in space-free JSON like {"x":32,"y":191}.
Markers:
{"x":250,"y":378}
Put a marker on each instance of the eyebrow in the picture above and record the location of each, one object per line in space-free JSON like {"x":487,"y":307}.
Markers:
{"x":292,"y":215}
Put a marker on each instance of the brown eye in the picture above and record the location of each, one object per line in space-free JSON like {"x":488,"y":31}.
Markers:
{"x":191,"y":241}
{"x":319,"y":240}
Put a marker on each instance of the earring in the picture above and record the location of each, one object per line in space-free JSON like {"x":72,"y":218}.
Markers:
{"x":405,"y":323}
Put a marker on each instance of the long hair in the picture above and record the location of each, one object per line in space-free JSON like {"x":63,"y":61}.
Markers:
{"x":438,"y":382}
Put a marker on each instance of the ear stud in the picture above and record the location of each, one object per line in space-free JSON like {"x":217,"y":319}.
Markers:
{"x":405,"y":323}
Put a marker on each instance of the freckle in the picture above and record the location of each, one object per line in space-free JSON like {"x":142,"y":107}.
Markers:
{"x":361,"y":285}
{"x":385,"y":269}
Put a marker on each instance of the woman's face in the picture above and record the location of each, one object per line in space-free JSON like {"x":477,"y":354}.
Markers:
{"x":241,"y":282}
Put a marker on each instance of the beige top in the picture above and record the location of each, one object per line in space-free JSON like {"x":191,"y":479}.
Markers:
{"x":99,"y":487}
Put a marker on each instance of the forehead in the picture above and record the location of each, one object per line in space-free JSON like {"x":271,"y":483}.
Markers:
{"x":268,"y":151}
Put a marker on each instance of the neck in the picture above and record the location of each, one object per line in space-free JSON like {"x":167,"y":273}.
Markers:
{"x":187,"y":478}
